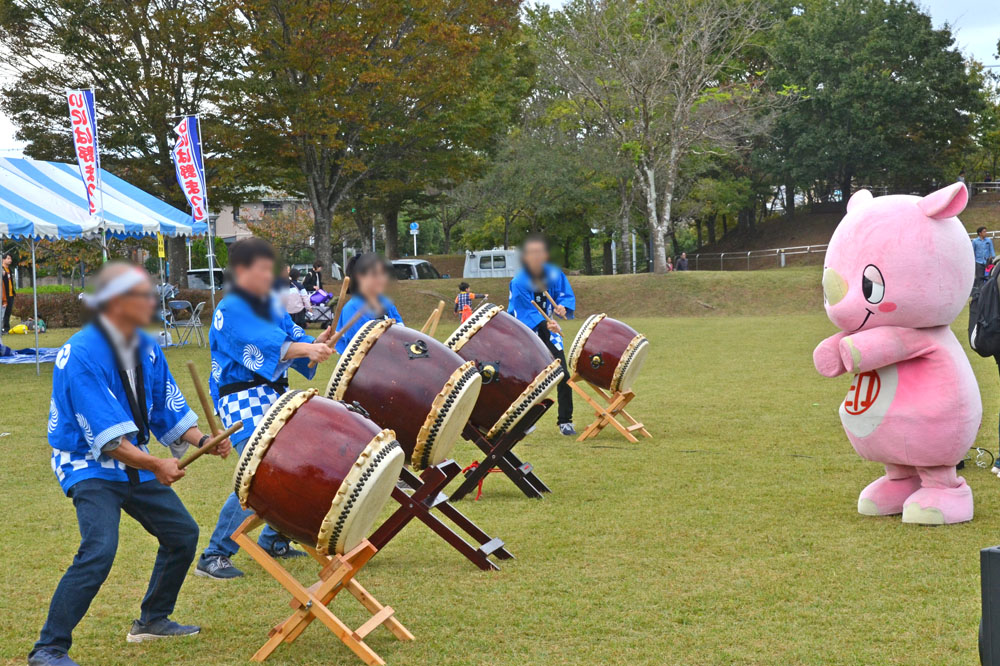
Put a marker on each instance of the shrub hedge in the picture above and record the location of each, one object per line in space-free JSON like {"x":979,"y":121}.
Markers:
{"x":64,"y":310}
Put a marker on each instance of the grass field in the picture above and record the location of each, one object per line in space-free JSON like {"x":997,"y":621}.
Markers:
{"x":730,"y":538}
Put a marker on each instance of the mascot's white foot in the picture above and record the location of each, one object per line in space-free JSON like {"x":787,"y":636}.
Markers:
{"x":885,"y":496}
{"x":939,"y":506}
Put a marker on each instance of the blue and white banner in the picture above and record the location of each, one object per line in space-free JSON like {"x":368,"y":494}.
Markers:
{"x":83,"y":124}
{"x":189,"y":165}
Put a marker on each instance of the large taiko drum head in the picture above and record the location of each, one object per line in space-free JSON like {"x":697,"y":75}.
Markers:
{"x":318,"y":471}
{"x":608,"y":353}
{"x":518,"y":369}
{"x":411,"y":383}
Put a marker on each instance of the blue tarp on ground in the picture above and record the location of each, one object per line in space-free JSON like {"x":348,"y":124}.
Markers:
{"x":45,"y":355}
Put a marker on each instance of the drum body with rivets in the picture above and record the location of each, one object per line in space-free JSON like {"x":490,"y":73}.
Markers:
{"x":411,"y":383}
{"x":518,"y":369}
{"x":318,"y":471}
{"x":607,"y":353}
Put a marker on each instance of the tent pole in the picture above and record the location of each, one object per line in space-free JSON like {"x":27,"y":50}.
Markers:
{"x":163,"y":304}
{"x":34,"y":295}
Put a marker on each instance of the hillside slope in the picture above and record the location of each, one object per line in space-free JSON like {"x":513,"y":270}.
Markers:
{"x":788,"y":291}
{"x":816,"y":229}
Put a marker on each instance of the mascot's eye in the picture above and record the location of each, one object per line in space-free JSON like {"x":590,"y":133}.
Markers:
{"x":872,"y":284}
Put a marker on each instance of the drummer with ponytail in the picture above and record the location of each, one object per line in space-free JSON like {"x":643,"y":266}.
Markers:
{"x":369,"y":274}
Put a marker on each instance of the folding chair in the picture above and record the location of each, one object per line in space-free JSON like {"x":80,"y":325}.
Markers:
{"x":185,"y":326}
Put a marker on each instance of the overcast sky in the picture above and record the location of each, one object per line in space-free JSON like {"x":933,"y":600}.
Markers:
{"x":975,"y":23}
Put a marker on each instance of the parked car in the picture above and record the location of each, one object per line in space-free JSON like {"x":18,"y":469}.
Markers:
{"x":198,"y":278}
{"x":495,"y":263}
{"x":414,"y":269}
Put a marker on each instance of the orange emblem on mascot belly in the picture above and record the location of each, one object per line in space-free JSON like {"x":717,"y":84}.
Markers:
{"x":863,"y":392}
{"x":869,"y":399}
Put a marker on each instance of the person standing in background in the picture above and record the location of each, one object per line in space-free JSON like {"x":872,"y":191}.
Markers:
{"x":8,"y":291}
{"x":538,"y":276}
{"x":314,"y":280}
{"x":682,"y":262}
{"x":984,"y":252}
{"x":295,"y":298}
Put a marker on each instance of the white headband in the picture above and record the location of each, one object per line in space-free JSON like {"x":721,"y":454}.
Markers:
{"x":115,"y":287}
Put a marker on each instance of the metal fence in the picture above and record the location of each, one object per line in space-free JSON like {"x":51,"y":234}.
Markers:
{"x":780,"y":257}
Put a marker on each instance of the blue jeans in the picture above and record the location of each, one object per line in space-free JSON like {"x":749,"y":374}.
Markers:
{"x":231,"y":517}
{"x":99,"y":504}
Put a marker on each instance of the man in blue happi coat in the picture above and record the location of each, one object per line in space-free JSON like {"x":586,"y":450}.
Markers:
{"x":254,"y":343}
{"x":536,"y":277}
{"x":111,"y":388}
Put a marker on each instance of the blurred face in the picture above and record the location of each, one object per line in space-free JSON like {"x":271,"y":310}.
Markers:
{"x":982,"y":233}
{"x":257,"y":277}
{"x":135,"y":307}
{"x":374,"y":283}
{"x":7,"y":261}
{"x":534,"y":256}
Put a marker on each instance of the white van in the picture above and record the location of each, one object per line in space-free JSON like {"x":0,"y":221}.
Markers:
{"x":496,"y":263}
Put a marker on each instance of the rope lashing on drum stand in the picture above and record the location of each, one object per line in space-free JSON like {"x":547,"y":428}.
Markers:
{"x":479,"y":489}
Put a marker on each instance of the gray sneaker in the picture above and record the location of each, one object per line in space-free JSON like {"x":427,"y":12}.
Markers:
{"x":50,"y":657}
{"x":567,"y":429}
{"x":162,"y":628}
{"x":282,"y":550}
{"x":218,"y":567}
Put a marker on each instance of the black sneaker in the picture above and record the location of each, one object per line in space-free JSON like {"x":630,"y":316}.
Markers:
{"x":216,"y":566}
{"x":50,"y":657}
{"x":162,"y":628}
{"x":283,"y":550}
{"x":567,"y":429}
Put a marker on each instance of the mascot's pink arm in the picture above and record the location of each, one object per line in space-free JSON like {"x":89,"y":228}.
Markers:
{"x":826,"y":356}
{"x":882,"y":346}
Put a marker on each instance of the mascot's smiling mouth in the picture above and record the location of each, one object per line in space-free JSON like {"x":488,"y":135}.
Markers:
{"x":870,"y":313}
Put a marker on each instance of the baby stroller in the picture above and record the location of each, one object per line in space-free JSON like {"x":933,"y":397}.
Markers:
{"x":321,"y":311}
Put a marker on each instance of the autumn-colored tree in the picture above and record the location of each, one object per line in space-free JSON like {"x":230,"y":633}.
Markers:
{"x":287,"y":231}
{"x":333,"y":87}
{"x":147,"y":59}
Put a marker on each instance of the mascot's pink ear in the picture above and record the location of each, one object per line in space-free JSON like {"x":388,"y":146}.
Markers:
{"x":859,"y":199}
{"x":945,"y":203}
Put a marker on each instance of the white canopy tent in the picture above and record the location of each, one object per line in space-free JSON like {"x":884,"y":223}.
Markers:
{"x":48,"y":200}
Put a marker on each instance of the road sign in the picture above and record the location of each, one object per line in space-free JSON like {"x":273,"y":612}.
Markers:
{"x":414,"y":226}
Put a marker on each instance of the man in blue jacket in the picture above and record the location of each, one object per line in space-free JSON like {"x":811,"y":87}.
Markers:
{"x":254,"y":343}
{"x":111,"y":389}
{"x":536,"y":277}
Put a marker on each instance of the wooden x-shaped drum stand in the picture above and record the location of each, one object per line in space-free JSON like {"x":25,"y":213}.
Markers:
{"x":499,"y":454}
{"x":608,"y":413}
{"x":426,"y":496}
{"x":311,"y":603}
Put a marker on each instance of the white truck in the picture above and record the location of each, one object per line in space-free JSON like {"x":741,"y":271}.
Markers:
{"x":495,"y":263}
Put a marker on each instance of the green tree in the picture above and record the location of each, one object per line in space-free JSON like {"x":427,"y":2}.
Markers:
{"x":664,"y":78}
{"x":887,"y":98}
{"x":148,"y":60}
{"x":330,"y":88}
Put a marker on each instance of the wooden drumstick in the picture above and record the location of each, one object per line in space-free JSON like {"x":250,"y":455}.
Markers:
{"x":340,"y":302}
{"x":437,"y":318}
{"x":553,"y":302}
{"x":433,"y":319}
{"x":332,"y":342}
{"x":211,"y":444}
{"x":203,"y":398}
{"x":547,"y":317}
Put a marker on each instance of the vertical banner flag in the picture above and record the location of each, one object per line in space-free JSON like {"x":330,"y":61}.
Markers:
{"x":189,"y":167}
{"x":83,"y":124}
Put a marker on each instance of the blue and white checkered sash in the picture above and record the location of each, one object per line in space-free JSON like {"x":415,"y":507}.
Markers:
{"x":248,"y":406}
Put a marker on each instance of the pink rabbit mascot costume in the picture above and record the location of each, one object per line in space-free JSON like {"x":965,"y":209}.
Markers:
{"x":898,"y":271}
